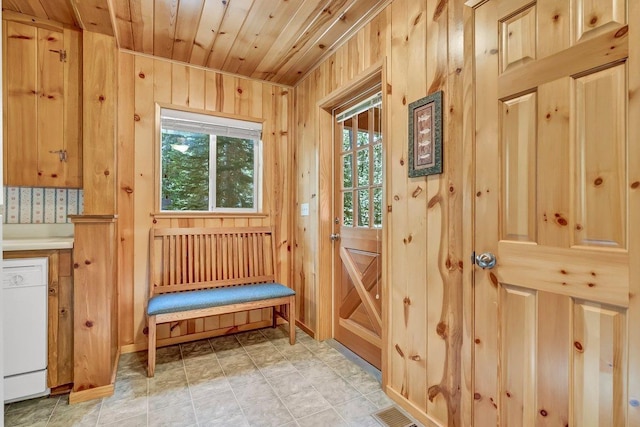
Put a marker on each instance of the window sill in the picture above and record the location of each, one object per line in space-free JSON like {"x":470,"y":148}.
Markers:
{"x":209,"y":215}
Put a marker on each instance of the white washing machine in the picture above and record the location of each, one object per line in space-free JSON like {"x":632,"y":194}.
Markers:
{"x":24,"y":318}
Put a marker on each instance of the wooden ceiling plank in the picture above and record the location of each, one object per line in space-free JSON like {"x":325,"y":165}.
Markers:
{"x":338,"y":32}
{"x":229,"y":28}
{"x":189,"y":13}
{"x":341,"y":30}
{"x":164,"y":27}
{"x":263,"y":40}
{"x":60,"y":11}
{"x":28,"y":7}
{"x":212,"y":14}
{"x":124,"y":27}
{"x":310,"y":38}
{"x":308,"y":13}
{"x":11,"y":5}
{"x":142,"y":24}
{"x":10,"y":15}
{"x":256,"y":19}
{"x":93,"y":15}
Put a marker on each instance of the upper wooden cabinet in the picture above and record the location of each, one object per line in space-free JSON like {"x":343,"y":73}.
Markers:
{"x":42,"y":97}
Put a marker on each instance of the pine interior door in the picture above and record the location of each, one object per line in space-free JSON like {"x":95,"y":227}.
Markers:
{"x":358,"y":221}
{"x":555,"y":198}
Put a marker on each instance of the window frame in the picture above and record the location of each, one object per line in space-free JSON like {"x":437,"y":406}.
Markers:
{"x":258,"y":167}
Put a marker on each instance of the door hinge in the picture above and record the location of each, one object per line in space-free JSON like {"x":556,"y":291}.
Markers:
{"x":62,"y":154}
{"x":62,"y":53}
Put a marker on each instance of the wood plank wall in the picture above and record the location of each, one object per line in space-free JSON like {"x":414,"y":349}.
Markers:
{"x":143,"y":82}
{"x":423,"y":46}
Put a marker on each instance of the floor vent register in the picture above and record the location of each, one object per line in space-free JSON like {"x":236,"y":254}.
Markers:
{"x":392,"y":417}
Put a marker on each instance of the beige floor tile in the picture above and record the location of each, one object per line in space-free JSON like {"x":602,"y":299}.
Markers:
{"x":198,"y":372}
{"x":196,"y":348}
{"x":180,"y":415}
{"x":336,"y":390}
{"x":78,"y":415}
{"x":265,"y":412}
{"x":122,"y":410}
{"x":363,"y":382}
{"x":275,"y":333}
{"x":33,"y":412}
{"x":314,"y":369}
{"x":238,"y":365}
{"x":256,"y":387}
{"x":201,"y":389}
{"x":305,"y":402}
{"x":326,"y":418}
{"x":357,"y":411}
{"x":251,"y":338}
{"x":289,"y":384}
{"x":227,"y":420}
{"x":228,"y":342}
{"x":276,"y":369}
{"x":379,"y":399}
{"x":345,"y":368}
{"x":217,"y":407}
{"x":136,"y":421}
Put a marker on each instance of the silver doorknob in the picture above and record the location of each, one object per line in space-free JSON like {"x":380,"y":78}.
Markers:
{"x":334,"y":237}
{"x":486,"y":260}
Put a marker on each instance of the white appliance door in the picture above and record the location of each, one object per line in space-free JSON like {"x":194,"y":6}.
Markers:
{"x":24,"y":312}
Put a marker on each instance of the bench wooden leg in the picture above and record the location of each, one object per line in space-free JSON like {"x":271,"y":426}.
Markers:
{"x":292,"y":320}
{"x":275,"y":317}
{"x":151,"y":360}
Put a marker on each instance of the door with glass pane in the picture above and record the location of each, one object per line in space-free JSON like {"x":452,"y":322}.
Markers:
{"x":358,"y":221}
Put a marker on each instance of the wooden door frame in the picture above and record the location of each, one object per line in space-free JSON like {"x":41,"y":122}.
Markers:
{"x":468,"y":211}
{"x":325,"y":257}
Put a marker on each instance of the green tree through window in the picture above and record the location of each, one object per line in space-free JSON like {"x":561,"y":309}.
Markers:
{"x":202,"y":171}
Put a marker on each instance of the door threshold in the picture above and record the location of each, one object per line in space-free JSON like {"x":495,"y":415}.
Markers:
{"x":353,"y":357}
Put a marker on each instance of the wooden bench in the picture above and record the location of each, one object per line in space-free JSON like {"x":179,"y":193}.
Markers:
{"x":199,"y":272}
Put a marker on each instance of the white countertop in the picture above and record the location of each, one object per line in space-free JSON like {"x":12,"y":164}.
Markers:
{"x":30,"y":237}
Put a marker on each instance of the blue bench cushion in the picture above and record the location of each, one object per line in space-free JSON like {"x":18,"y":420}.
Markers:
{"x":194,"y":300}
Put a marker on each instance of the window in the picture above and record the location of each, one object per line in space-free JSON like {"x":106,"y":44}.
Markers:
{"x":209,"y":163}
{"x":361,"y":163}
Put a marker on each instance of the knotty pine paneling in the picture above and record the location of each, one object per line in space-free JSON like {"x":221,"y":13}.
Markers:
{"x":421,"y":42}
{"x":143,"y":82}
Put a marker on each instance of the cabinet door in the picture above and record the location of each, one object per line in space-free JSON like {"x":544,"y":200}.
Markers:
{"x":42,"y":114}
{"x":21,"y":104}
{"x":50,"y":113}
{"x":72,"y":112}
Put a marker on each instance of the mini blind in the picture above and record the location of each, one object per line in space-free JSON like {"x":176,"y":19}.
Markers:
{"x":368,"y":103}
{"x":213,"y":125}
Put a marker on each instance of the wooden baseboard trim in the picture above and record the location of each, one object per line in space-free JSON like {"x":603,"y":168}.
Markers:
{"x":61,"y":389}
{"x":411,"y":408}
{"x":92,"y":393}
{"x":132,"y":348}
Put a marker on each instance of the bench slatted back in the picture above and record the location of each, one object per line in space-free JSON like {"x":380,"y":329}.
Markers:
{"x":184,"y":259}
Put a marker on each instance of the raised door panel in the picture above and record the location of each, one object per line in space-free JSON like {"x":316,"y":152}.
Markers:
{"x":601,"y":165}
{"x":518,"y":39}
{"x":599,"y":365}
{"x":518,"y":163}
{"x":518,"y":356}
{"x":593,"y":17}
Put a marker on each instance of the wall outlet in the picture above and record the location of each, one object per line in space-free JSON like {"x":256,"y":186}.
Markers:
{"x":304,"y":209}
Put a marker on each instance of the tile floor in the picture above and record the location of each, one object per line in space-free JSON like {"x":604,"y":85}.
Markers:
{"x":249,"y":379}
